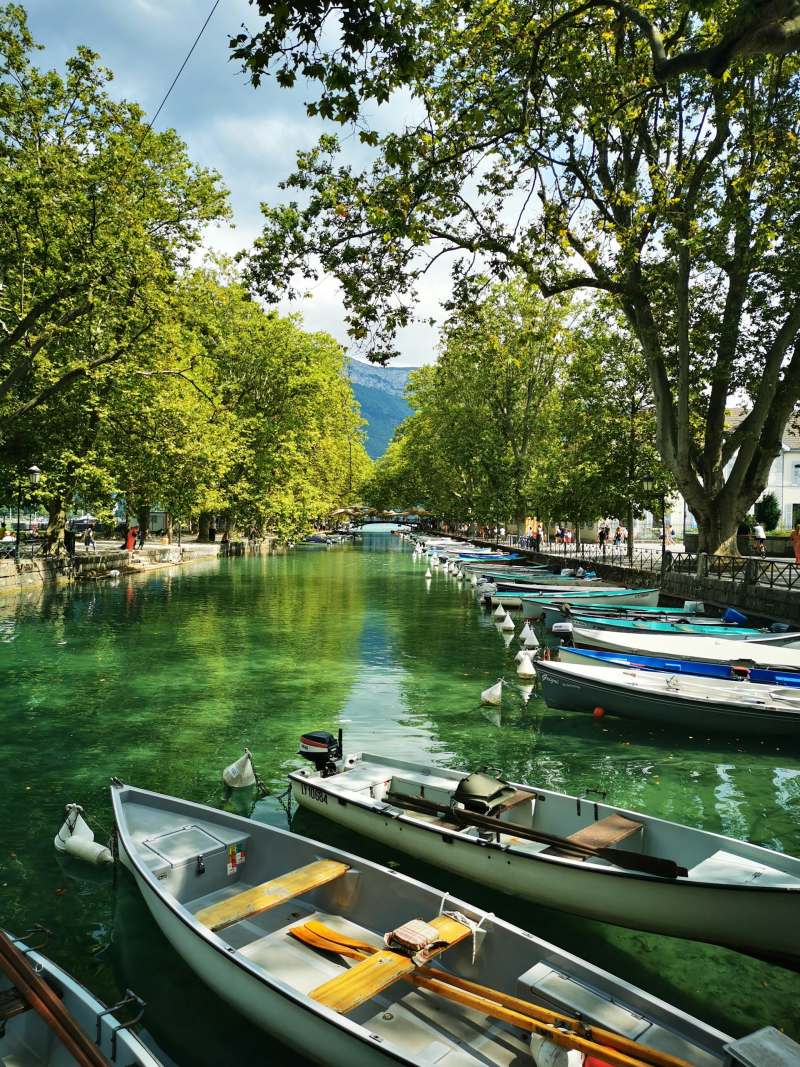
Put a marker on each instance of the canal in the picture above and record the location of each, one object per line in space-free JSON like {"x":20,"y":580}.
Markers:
{"x":162,"y":680}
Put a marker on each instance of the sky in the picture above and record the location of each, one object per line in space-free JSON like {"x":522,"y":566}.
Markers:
{"x":249,"y":135}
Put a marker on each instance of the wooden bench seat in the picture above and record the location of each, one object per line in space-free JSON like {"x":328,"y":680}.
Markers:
{"x":371,"y":976}
{"x":606,"y":832}
{"x":270,"y":894}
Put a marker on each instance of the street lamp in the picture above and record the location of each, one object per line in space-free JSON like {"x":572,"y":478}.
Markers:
{"x":649,"y":485}
{"x":34,"y":474}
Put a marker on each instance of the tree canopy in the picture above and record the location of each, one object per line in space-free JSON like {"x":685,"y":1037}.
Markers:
{"x":645,"y":153}
{"x":126,"y":371}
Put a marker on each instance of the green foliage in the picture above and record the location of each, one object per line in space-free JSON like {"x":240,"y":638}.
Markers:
{"x":768,"y":511}
{"x":647,"y":153}
{"x":122,"y":371}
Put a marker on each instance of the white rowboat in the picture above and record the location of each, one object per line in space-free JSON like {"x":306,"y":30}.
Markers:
{"x":732,"y":893}
{"x":227,"y":892}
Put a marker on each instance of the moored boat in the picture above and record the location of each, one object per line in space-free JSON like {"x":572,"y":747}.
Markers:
{"x":533,"y":603}
{"x":272,"y":922}
{"x":728,"y":630}
{"x":568,"y":654}
{"x":672,"y":700}
{"x":711,"y":649}
{"x":589,"y":858}
{"x":48,"y":1019}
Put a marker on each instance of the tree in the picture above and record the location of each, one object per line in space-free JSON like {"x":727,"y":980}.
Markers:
{"x":600,"y":447}
{"x":97,"y":214}
{"x":599,"y":145}
{"x":768,"y":511}
{"x":481,"y":412}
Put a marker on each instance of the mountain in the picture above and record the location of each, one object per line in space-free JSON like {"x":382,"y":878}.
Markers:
{"x":379,"y":392}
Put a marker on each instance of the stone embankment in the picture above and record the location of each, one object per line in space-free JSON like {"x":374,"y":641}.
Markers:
{"x":28,"y":573}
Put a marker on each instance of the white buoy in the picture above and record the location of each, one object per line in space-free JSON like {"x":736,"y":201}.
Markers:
{"x":459,"y":575}
{"x":531,"y":641}
{"x":428,"y":573}
{"x":76,"y":838}
{"x":526,"y":668}
{"x":113,"y":573}
{"x":494,"y":694}
{"x":526,"y":691}
{"x":473,"y":580}
{"x":525,"y":632}
{"x":507,"y":624}
{"x":240,"y":774}
{"x":500,"y":612}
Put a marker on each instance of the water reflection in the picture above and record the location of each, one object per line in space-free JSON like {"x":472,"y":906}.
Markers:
{"x":164,"y":679}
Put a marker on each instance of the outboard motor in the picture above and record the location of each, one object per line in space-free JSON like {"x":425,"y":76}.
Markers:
{"x":322,"y":749}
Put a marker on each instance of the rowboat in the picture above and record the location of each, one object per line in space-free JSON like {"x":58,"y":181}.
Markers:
{"x":678,"y":666}
{"x":48,"y":1019}
{"x":533,"y":604}
{"x":710,"y":649}
{"x":513,"y":598}
{"x":702,"y":704}
{"x":558,"y":611}
{"x":273,"y":923}
{"x":668,"y":626}
{"x":563,"y":851}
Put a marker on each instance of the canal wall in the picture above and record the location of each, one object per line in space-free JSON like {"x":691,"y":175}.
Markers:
{"x":26,"y":574}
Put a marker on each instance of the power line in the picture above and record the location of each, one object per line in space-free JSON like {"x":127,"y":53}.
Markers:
{"x":174,"y":82}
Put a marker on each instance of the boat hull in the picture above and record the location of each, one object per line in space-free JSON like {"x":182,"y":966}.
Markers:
{"x":568,"y":692}
{"x":717,"y":914}
{"x":532,"y":608}
{"x":711,"y":649}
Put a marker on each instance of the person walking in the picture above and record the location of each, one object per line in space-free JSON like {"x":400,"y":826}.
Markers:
{"x":88,"y":539}
{"x":140,"y":540}
{"x":760,"y":539}
{"x":796,"y":542}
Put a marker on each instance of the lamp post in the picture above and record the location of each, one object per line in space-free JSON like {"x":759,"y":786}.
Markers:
{"x":34,"y":474}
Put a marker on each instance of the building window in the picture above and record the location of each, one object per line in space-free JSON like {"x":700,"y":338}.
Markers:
{"x":796,"y":473}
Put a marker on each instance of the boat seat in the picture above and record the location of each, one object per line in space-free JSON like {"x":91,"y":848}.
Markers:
{"x":372,"y":975}
{"x":270,"y":894}
{"x":606,"y":832}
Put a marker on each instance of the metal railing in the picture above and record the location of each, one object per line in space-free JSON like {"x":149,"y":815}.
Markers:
{"x":748,"y":570}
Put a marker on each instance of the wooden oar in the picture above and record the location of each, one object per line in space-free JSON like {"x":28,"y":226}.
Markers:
{"x":616,"y":1050}
{"x":46,"y":1003}
{"x":632,"y":861}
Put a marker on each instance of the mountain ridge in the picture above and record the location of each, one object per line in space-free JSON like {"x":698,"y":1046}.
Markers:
{"x":380,"y":395}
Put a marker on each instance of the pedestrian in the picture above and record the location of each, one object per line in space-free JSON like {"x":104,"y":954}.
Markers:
{"x":760,"y":538}
{"x":141,"y":538}
{"x":618,"y":536}
{"x":601,"y":535}
{"x":537,"y":536}
{"x":796,"y":542}
{"x":224,"y":539}
{"x":88,"y":538}
{"x":212,"y":532}
{"x":670,"y":535}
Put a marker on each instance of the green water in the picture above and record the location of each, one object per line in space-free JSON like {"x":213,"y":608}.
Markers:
{"x":162,"y":681}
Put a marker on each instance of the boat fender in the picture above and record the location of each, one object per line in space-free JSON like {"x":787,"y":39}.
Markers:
{"x":494,"y":694}
{"x":240,"y":774}
{"x":599,"y":712}
{"x":76,"y":838}
{"x":567,"y":572}
{"x":526,"y":668}
{"x":545,"y":1053}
